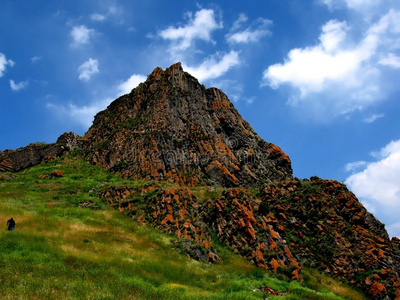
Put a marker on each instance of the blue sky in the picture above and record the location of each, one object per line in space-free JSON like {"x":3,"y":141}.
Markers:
{"x":319,"y":78}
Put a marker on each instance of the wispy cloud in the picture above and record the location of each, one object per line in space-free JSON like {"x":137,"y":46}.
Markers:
{"x":200,"y":26}
{"x":18,"y":86}
{"x":251,"y":34}
{"x":4,"y":62}
{"x":214,"y":66}
{"x":35,"y":59}
{"x":88,"y":68}
{"x":81,"y":35}
{"x":84,"y":114}
{"x":97,"y":17}
{"x":373,"y":118}
{"x":378,"y":185}
{"x":357,"y":5}
{"x":354,"y":166}
{"x":113,"y":10}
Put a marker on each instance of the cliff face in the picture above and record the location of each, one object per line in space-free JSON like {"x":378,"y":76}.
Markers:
{"x":172,"y":128}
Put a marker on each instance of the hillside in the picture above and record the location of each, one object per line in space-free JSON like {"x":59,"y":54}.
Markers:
{"x":69,"y":244}
{"x":177,"y":157}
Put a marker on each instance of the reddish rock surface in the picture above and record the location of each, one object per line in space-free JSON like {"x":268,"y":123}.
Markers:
{"x":283,"y":227}
{"x":172,"y":128}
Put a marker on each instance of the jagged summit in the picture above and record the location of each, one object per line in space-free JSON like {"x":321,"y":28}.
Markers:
{"x":173,"y":128}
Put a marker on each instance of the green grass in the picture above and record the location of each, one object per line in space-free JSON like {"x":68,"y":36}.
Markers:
{"x":62,"y":251}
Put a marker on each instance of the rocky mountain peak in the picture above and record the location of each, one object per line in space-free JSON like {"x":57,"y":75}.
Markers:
{"x":172,"y":128}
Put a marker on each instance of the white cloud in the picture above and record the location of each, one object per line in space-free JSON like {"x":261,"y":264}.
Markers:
{"x":359,"y":4}
{"x":378,"y":185}
{"x":239,"y":22}
{"x":214,"y":66}
{"x":356,"y":5}
{"x":113,"y":10}
{"x":373,"y":118}
{"x":97,"y":17}
{"x":198,"y":27}
{"x":4,"y":62}
{"x":88,"y":68}
{"x":84,"y":115}
{"x":35,"y":59}
{"x":353,"y":166}
{"x":18,"y":86}
{"x":390,"y":60}
{"x":336,"y":75}
{"x":251,"y":34}
{"x":81,"y":35}
{"x":132,"y":82}
{"x":310,"y":69}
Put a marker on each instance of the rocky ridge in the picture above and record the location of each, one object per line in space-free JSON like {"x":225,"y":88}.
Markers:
{"x":36,"y":153}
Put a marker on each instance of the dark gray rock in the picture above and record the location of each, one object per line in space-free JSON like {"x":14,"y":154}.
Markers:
{"x":34,"y":154}
{"x":71,"y":141}
{"x":173,"y":128}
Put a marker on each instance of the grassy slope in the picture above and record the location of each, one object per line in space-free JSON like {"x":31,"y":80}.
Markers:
{"x":60,"y":250}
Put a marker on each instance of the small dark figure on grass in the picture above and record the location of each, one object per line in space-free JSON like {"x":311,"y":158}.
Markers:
{"x":11,"y":224}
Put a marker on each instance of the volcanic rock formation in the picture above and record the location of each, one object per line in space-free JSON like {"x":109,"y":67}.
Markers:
{"x":172,"y":128}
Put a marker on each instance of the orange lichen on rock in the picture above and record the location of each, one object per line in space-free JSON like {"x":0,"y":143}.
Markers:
{"x":376,"y":289}
{"x":295,"y":274}
{"x":274,"y":264}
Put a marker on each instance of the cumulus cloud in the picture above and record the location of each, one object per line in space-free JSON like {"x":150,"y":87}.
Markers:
{"x":250,"y":34}
{"x":132,"y":82}
{"x":373,"y":118}
{"x":378,"y":186}
{"x":18,"y":86}
{"x":84,"y":115}
{"x":347,"y":76}
{"x":214,"y":66}
{"x":88,"y":68}
{"x":4,"y":62}
{"x":311,"y":68}
{"x":200,"y":26}
{"x":81,"y":35}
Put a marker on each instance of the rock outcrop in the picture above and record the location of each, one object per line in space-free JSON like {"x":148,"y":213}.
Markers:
{"x":283,"y":227}
{"x":171,"y":210}
{"x":172,"y":128}
{"x":34,"y":154}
